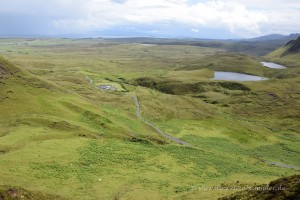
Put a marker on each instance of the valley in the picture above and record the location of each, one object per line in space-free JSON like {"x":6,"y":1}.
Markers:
{"x":166,"y":128}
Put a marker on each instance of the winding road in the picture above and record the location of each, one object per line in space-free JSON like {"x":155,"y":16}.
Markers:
{"x":138,"y":114}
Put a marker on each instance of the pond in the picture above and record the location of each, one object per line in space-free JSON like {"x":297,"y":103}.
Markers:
{"x":273,"y":65}
{"x":233,"y":76}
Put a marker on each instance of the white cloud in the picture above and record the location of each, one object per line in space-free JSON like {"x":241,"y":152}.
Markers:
{"x":268,"y":4}
{"x":240,"y":17}
{"x":232,"y":15}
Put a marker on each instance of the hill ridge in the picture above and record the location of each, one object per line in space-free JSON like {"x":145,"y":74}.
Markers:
{"x":7,"y":68}
{"x":293,"y":45}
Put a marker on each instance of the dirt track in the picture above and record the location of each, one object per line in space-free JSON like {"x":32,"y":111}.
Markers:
{"x":138,"y":114}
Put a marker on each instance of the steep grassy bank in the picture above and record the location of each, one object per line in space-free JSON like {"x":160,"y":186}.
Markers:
{"x":288,"y":55}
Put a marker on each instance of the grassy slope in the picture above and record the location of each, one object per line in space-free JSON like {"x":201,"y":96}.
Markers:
{"x":43,"y":137}
{"x":230,"y":62}
{"x":291,"y":59}
{"x":42,"y":124}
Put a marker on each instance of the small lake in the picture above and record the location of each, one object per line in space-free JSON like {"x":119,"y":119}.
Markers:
{"x":232,"y":76}
{"x":273,"y":65}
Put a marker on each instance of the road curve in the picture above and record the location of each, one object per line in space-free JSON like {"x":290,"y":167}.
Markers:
{"x":138,"y":114}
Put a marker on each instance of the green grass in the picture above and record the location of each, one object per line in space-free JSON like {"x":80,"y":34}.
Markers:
{"x":65,"y":137}
{"x":150,"y":168}
{"x":230,"y":62}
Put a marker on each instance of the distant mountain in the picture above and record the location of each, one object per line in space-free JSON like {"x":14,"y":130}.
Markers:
{"x":275,"y":37}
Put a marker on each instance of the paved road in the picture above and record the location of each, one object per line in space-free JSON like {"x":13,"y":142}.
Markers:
{"x":138,"y":114}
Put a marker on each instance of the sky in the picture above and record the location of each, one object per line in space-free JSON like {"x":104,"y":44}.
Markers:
{"x":215,"y":19}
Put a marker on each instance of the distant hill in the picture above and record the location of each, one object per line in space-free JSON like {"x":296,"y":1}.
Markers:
{"x":255,"y":46}
{"x":275,"y":37}
{"x":268,"y":37}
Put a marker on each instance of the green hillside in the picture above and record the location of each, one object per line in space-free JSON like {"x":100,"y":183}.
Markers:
{"x":288,"y":54}
{"x":43,"y":126}
{"x":31,"y":101}
{"x":63,"y":138}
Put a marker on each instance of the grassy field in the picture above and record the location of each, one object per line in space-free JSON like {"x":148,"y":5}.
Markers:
{"x":61,"y":137}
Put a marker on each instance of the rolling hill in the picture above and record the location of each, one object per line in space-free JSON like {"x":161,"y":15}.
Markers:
{"x":275,"y":37}
{"x":255,"y":46}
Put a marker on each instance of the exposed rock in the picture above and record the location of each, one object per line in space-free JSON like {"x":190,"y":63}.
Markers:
{"x":293,"y":46}
{"x":287,"y":188}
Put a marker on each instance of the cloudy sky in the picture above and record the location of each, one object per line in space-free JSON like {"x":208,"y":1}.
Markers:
{"x":154,"y":18}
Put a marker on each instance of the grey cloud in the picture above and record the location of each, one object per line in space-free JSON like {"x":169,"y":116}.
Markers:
{"x":25,"y":25}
